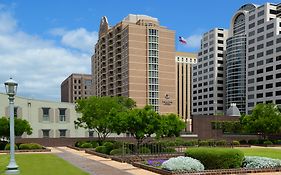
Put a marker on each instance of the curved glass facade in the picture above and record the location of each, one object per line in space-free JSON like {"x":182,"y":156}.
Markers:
{"x":236,"y":71}
{"x":236,"y":65}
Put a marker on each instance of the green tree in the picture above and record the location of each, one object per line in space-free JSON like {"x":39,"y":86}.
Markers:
{"x":98,"y":113}
{"x":21,"y":126}
{"x":170,"y":125}
{"x":140,"y":123}
{"x":265,"y":120}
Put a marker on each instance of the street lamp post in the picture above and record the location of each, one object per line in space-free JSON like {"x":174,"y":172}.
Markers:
{"x":11,"y":89}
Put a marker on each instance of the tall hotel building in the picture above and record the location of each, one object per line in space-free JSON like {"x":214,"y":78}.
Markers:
{"x":208,"y":85}
{"x":184,"y":62}
{"x":135,"y":58}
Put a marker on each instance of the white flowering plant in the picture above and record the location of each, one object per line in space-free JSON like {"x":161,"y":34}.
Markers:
{"x":182,"y":164}
{"x":260,"y":162}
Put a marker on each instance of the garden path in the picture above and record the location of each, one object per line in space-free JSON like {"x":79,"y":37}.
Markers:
{"x":97,"y":165}
{"x":101,"y":166}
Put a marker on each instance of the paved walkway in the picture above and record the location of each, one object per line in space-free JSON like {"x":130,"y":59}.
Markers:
{"x":95,"y":165}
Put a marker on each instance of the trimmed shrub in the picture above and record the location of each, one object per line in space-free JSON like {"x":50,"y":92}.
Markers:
{"x":191,"y":143}
{"x":144,"y":150}
{"x":101,"y":149}
{"x":156,"y":147}
{"x":7,"y":147}
{"x":170,"y":143}
{"x":267,"y":142}
{"x":27,"y":146}
{"x":181,"y":164}
{"x":119,"y":151}
{"x":3,"y":144}
{"x":94,"y":144}
{"x":211,"y":142}
{"x":131,"y":146}
{"x":203,"y":143}
{"x":35,"y":146}
{"x":243,"y":142}
{"x":24,"y":146}
{"x":260,"y":162}
{"x":235,"y":143}
{"x":86,"y":145}
{"x":278,"y":142}
{"x":253,"y":142}
{"x":117,"y":145}
{"x":79,"y":143}
{"x":221,"y":143}
{"x":169,"y":150}
{"x":109,"y":146}
{"x":179,"y":142}
{"x":217,"y":158}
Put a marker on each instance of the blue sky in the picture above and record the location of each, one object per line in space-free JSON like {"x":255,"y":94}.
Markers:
{"x":42,"y":42}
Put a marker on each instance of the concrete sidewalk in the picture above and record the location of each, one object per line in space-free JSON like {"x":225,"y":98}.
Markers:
{"x":95,"y":165}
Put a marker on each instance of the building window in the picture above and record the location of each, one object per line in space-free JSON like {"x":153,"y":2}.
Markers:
{"x":62,"y":117}
{"x":269,"y":77}
{"x":269,"y":35}
{"x":91,"y":133}
{"x":269,"y":43}
{"x":259,"y":79}
{"x":46,"y":133}
{"x":62,"y":132}
{"x":261,"y":13}
{"x":15,"y":112}
{"x":260,"y":95}
{"x":269,"y":94}
{"x":268,"y":86}
{"x":46,"y":116}
{"x":259,"y":87}
{"x":259,"y":63}
{"x":260,"y":38}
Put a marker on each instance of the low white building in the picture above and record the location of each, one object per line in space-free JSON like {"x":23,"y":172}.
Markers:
{"x":47,"y":118}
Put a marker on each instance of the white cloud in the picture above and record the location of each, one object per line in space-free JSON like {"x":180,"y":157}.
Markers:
{"x":79,"y":39}
{"x":8,"y":23}
{"x":193,"y":41}
{"x":38,"y":64}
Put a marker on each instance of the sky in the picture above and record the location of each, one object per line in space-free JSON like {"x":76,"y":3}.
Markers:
{"x":43,"y":42}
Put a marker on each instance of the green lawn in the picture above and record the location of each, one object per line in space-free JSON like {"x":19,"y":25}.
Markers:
{"x":40,"y":164}
{"x":264,"y":152}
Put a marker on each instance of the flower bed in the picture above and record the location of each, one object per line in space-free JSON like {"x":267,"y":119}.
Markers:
{"x":205,"y":172}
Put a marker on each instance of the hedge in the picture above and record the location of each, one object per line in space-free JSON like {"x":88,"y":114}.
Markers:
{"x":119,"y":151}
{"x":217,"y":158}
{"x":30,"y":146}
{"x":7,"y":147}
{"x":101,"y":149}
{"x":86,"y":145}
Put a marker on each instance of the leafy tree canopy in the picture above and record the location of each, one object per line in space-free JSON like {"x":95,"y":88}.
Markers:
{"x":21,"y":126}
{"x":98,"y":113}
{"x":265,"y":119}
{"x":170,"y":125}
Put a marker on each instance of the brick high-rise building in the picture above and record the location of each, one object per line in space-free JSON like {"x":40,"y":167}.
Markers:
{"x":76,"y":86}
{"x":136,"y":58}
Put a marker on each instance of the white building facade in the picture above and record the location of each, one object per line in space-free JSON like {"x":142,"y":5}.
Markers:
{"x":47,"y":119}
{"x":208,"y":85}
{"x":250,"y":63}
